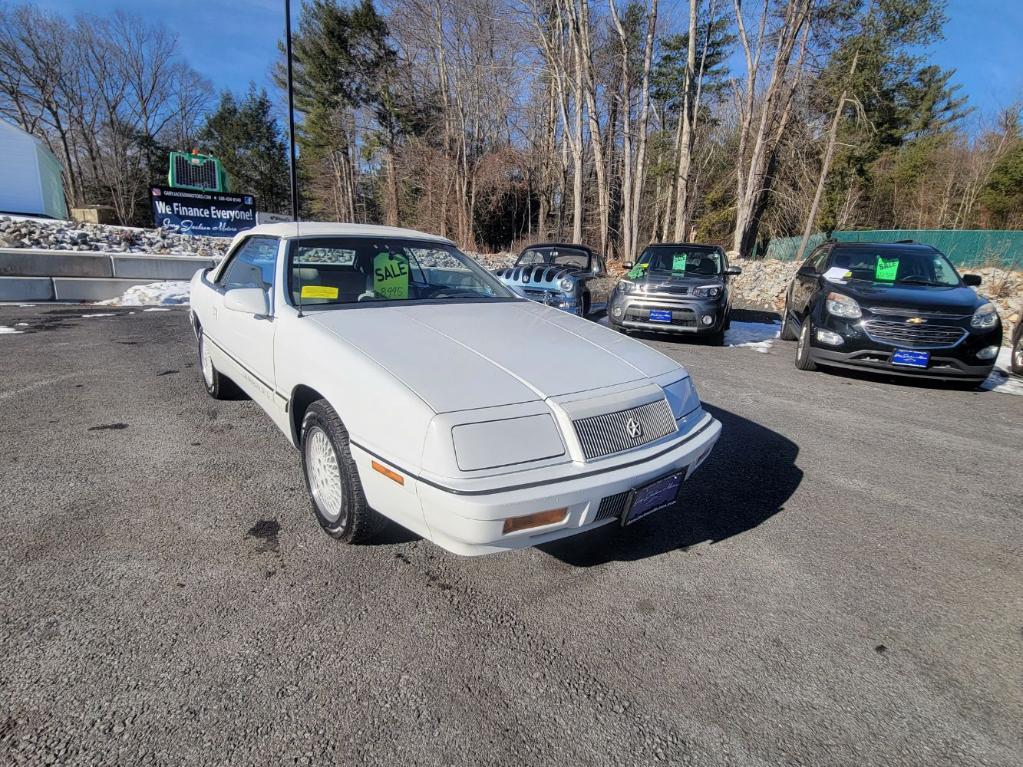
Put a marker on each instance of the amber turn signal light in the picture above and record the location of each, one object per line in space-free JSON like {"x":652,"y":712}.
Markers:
{"x":392,"y":475}
{"x":539,"y":519}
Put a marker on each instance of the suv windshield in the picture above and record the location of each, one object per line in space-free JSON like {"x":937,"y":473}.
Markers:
{"x":362,"y":270}
{"x":679,"y":259}
{"x":889,"y":265}
{"x":570,"y":258}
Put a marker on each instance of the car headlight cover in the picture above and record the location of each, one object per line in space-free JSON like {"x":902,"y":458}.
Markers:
{"x":842,"y":306}
{"x":707,"y":291}
{"x":682,"y":397}
{"x":625,"y":286}
{"x":567,"y":284}
{"x":505,"y":442}
{"x":985,"y":317}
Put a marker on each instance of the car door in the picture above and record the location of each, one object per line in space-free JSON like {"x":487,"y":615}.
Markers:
{"x":804,"y":285}
{"x":244,"y":338}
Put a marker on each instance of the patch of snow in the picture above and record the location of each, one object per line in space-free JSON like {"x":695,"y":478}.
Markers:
{"x":26,"y":306}
{"x":171,"y":293}
{"x":758,"y":336}
{"x":6,"y":331}
{"x":1001,"y":380}
{"x":155,"y":309}
{"x":87,"y":316}
{"x":22,"y":325}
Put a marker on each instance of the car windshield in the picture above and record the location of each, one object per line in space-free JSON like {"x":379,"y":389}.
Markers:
{"x":889,"y":265}
{"x":338,"y":271}
{"x":679,"y":259}
{"x":555,"y":255}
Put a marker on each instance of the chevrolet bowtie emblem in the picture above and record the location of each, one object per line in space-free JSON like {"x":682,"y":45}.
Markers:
{"x":916,"y":321}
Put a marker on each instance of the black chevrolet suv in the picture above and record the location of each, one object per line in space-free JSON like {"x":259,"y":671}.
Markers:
{"x":898,"y":308}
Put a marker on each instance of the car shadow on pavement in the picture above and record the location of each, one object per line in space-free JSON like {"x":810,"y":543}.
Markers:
{"x":748,"y":479}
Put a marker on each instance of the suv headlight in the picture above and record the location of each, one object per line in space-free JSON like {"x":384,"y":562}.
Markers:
{"x":567,"y":285}
{"x":709,"y":291}
{"x":985,"y":317}
{"x":625,"y":286}
{"x":842,"y":306}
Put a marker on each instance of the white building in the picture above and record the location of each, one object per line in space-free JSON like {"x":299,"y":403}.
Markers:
{"x":30,"y":181}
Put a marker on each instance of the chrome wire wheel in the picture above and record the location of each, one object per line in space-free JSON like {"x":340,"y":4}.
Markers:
{"x":804,"y":334}
{"x":325,"y":476}
{"x":1017,"y":355}
{"x":207,"y":362}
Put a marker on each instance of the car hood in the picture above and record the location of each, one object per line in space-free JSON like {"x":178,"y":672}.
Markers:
{"x":468,"y":355}
{"x":960,"y":299}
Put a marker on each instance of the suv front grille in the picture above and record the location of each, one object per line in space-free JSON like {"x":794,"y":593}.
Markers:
{"x":901,"y":334}
{"x":602,"y":435}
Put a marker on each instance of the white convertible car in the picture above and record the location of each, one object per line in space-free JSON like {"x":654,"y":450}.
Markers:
{"x":420,"y":389}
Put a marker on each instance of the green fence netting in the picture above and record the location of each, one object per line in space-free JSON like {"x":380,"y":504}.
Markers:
{"x":965,"y":247}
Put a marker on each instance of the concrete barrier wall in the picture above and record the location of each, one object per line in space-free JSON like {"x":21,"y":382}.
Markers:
{"x":16,"y":262}
{"x":56,"y":275}
{"x":158,"y":267}
{"x":26,"y":289}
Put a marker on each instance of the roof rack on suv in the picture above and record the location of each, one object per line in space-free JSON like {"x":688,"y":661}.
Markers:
{"x":905,"y":242}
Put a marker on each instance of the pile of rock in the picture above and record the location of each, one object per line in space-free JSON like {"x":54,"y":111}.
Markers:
{"x":47,"y":234}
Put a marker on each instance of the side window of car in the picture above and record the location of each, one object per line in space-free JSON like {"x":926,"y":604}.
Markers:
{"x":817,"y":260}
{"x":252,"y":265}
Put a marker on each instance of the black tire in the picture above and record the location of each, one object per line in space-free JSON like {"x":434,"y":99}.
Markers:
{"x":803,"y":361}
{"x":1016,"y":358}
{"x":586,"y":306}
{"x":355,"y":521}
{"x":217,"y":385}
{"x":787,"y":333}
{"x":717,"y":338}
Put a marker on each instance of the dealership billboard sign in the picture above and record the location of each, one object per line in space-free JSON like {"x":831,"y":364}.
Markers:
{"x":213,"y":214}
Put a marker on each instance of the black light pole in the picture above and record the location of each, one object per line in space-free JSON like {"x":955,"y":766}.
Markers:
{"x":291,"y":111}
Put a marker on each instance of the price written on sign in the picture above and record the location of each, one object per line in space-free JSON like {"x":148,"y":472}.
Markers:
{"x":390,"y":276}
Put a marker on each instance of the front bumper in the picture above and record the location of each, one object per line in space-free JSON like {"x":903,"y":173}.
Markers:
{"x":556,"y":299}
{"x":859,"y":350}
{"x":688,"y":315}
{"x":471,"y":523}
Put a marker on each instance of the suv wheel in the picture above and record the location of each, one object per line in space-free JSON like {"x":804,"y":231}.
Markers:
{"x":803,"y":361}
{"x":1016,"y":361}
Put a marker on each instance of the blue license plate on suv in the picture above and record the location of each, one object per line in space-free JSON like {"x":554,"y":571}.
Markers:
{"x":910,"y":358}
{"x":660,"y":315}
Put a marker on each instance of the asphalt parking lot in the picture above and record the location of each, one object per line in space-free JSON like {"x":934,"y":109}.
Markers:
{"x":843,"y":585}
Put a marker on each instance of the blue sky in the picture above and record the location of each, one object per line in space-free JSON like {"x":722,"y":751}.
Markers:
{"x":233,"y":43}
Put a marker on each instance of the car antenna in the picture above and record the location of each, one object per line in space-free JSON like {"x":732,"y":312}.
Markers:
{"x":291,"y":140}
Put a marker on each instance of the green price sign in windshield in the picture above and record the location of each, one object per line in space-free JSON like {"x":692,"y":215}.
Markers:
{"x":637,"y":271}
{"x":390,"y":275}
{"x":886,"y":270}
{"x":678,"y":262}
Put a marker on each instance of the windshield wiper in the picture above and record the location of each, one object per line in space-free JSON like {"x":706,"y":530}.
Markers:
{"x":916,"y":279}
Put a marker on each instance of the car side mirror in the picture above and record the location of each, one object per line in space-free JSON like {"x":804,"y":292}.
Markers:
{"x":973,"y":280}
{"x":733,"y":270}
{"x":628,"y":264}
{"x":807,"y":271}
{"x":247,"y":301}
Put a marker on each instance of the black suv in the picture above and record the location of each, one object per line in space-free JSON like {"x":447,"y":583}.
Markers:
{"x":900,"y":308}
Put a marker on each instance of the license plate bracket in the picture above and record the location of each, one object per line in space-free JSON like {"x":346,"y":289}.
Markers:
{"x":654,"y":496}
{"x":911,"y":358}
{"x":660,"y":315}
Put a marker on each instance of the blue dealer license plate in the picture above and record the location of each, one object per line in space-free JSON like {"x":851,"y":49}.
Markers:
{"x":659,"y":494}
{"x":910,"y":358}
{"x":660,"y":315}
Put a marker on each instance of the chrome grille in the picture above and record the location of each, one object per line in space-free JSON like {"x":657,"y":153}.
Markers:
{"x":901,"y":334}
{"x":605,"y":434}
{"x":612,"y":506}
